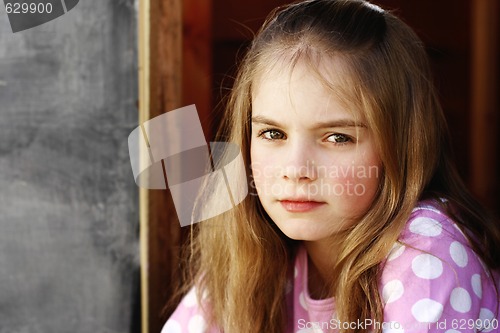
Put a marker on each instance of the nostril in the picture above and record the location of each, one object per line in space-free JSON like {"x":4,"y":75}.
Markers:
{"x":304,"y":172}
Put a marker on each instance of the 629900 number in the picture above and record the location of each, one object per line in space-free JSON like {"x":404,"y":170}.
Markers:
{"x":469,"y":324}
{"x":25,"y":8}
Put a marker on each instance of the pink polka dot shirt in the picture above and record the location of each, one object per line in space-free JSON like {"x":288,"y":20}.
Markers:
{"x":431,"y":282}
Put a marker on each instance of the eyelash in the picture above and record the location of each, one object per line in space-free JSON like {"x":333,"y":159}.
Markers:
{"x":263,"y":132}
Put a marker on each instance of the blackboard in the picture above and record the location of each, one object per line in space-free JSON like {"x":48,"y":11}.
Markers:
{"x":69,"y":254}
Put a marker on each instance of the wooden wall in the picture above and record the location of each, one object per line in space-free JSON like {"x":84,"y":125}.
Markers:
{"x":485,"y":102}
{"x":462,"y":42}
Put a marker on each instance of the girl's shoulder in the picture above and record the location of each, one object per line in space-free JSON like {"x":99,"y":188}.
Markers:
{"x":431,"y":236}
{"x":428,"y":219}
{"x":430,"y":225}
{"x":190,"y":315}
{"x":432,"y":275}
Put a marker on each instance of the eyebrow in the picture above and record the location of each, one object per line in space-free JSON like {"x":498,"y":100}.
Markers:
{"x":324,"y":124}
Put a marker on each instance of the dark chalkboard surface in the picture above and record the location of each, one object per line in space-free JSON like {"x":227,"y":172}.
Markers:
{"x":68,"y":201}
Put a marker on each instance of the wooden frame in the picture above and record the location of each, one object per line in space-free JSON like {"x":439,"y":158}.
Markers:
{"x":484,"y":108}
{"x":174,"y":71}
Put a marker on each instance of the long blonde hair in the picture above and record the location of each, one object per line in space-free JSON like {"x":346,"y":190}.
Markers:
{"x":241,"y":261}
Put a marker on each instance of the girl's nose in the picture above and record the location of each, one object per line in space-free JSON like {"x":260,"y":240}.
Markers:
{"x":300,"y":164}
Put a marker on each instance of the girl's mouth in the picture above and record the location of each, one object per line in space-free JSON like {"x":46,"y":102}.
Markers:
{"x":299,"y":206}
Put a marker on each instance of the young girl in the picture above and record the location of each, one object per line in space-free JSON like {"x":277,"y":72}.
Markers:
{"x":359,"y":221}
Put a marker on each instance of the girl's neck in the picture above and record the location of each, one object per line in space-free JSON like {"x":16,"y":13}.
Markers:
{"x":321,"y":263}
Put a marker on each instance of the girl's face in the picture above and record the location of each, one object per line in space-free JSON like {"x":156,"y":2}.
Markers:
{"x":314,"y":162}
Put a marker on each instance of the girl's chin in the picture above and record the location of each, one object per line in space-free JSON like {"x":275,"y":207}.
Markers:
{"x":305,"y":229}
{"x":301,"y":230}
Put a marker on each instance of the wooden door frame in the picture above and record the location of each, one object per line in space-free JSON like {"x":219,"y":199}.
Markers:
{"x":485,"y":102}
{"x":159,"y":90}
{"x":174,"y":41}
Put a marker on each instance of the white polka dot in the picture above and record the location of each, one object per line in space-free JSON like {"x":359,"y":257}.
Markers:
{"x":396,"y":251}
{"x":460,"y":300}
{"x":427,"y":310}
{"x":452,"y":331}
{"x":171,"y":326}
{"x":426,"y":227}
{"x":392,"y":291}
{"x":302,"y":301}
{"x":190,"y":299}
{"x":459,"y":254}
{"x":427,"y":266}
{"x":392,"y":327}
{"x":486,"y":317}
{"x":476,"y":285}
{"x":196,"y":324}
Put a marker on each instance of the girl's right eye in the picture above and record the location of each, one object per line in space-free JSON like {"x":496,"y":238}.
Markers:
{"x":272,"y":134}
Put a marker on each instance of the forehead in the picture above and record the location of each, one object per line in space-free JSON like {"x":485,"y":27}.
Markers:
{"x":316,"y":84}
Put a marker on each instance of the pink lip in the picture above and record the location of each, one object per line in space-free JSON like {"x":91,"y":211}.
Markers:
{"x":299,"y":206}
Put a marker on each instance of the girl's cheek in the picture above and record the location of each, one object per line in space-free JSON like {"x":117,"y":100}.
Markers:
{"x":355,"y":179}
{"x":259,"y":171}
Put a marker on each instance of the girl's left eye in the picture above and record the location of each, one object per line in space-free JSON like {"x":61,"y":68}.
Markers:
{"x":338,"y":138}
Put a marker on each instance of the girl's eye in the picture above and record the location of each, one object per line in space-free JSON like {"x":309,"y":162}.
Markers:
{"x":272,"y":135}
{"x":339,"y":138}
